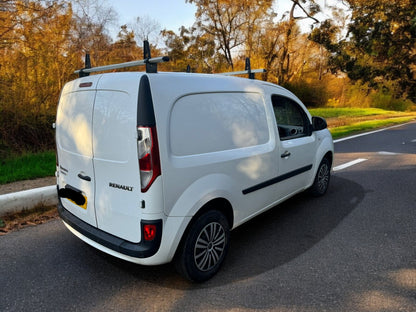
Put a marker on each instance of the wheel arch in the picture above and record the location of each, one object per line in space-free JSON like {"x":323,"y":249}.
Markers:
{"x":221,"y":204}
{"x":330,"y":156}
{"x":325,"y":150}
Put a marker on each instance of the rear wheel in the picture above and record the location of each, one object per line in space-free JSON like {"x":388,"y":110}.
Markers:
{"x":205,"y":247}
{"x":321,"y":182}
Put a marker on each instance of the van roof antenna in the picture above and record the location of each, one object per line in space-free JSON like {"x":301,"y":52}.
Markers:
{"x":188,"y":68}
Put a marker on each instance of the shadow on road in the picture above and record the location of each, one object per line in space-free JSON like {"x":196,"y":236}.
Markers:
{"x":270,"y":240}
{"x":288,"y":230}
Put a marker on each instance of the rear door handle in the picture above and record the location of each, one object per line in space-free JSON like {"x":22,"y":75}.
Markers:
{"x":285,"y":154}
{"x":84,"y":177}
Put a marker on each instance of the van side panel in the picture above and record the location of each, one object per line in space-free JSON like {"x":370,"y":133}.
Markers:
{"x":207,"y":152}
{"x":213,"y":122}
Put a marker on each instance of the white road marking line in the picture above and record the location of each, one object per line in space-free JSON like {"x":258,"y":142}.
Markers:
{"x":371,"y":132}
{"x":387,"y":153}
{"x":349,"y":164}
{"x":413,"y":141}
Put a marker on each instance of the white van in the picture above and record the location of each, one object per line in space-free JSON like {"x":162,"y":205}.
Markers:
{"x":155,"y":167}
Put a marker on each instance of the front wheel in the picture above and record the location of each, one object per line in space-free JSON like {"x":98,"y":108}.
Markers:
{"x":321,"y":182}
{"x":205,"y":247}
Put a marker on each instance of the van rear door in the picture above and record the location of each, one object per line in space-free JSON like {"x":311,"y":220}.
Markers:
{"x":118,"y":194}
{"x":96,"y":134}
{"x":74,"y":139}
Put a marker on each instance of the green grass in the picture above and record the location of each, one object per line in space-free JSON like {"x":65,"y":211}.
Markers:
{"x":348,"y":112}
{"x":27,"y":166}
{"x":347,"y":121}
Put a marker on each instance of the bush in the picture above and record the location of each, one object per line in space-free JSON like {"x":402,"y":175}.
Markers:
{"x":384,"y":100}
{"x":23,"y":132}
{"x":312,"y":94}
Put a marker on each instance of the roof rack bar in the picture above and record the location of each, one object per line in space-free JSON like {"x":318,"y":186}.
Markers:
{"x":154,"y":60}
{"x":243,"y":72}
{"x":248,"y":71}
{"x":150,"y":63}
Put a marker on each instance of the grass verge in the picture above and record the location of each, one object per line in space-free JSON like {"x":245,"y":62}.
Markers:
{"x":349,"y":112}
{"x":363,"y":126}
{"x":348,"y":121}
{"x":27,"y":166}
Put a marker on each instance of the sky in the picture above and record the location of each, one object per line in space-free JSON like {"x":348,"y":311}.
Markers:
{"x":172,"y":14}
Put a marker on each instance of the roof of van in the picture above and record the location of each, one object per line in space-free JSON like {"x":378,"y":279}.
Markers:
{"x":212,"y":77}
{"x":207,"y":81}
{"x":176,"y":82}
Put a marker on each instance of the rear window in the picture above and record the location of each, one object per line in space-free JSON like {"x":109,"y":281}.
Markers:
{"x":212,"y":122}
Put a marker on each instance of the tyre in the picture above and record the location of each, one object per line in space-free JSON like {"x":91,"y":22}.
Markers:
{"x":204,"y":248}
{"x":321,"y":182}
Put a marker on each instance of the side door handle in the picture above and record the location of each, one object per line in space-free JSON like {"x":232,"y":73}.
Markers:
{"x":286,"y":154}
{"x":84,"y":177}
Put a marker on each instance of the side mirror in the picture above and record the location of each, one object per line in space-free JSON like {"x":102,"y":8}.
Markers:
{"x":318,"y":123}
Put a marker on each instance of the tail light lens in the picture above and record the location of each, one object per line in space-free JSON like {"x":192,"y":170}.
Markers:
{"x":149,"y":232}
{"x":149,"y":161}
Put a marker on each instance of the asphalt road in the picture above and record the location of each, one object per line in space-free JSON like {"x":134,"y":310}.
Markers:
{"x":352,"y":250}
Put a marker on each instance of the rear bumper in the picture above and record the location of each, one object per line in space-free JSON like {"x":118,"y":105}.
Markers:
{"x":144,"y":249}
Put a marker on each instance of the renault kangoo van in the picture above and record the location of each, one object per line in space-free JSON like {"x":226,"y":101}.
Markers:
{"x":156,"y":167}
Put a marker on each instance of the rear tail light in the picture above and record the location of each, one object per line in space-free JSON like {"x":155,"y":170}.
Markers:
{"x":149,"y":161}
{"x":149,"y":232}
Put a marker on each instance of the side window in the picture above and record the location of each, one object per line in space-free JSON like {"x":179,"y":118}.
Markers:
{"x":291,"y":119}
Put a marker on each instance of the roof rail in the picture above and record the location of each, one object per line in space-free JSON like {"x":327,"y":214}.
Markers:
{"x":248,"y":71}
{"x":151,"y":63}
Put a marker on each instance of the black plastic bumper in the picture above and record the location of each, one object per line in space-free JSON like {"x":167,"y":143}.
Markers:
{"x":144,"y":249}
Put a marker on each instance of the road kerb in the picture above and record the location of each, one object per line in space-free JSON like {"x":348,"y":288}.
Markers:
{"x":25,"y":200}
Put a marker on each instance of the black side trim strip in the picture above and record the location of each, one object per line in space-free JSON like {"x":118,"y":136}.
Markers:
{"x":144,"y":249}
{"x":277,"y":179}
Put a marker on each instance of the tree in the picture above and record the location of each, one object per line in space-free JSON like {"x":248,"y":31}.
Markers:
{"x":229,"y":22}
{"x":380,"y":46}
{"x":146,"y":28}
{"x":125,"y":49}
{"x":91,"y":20}
{"x":308,"y":8}
{"x":34,"y":66}
{"x":194,"y":48}
{"x":42,"y":42}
